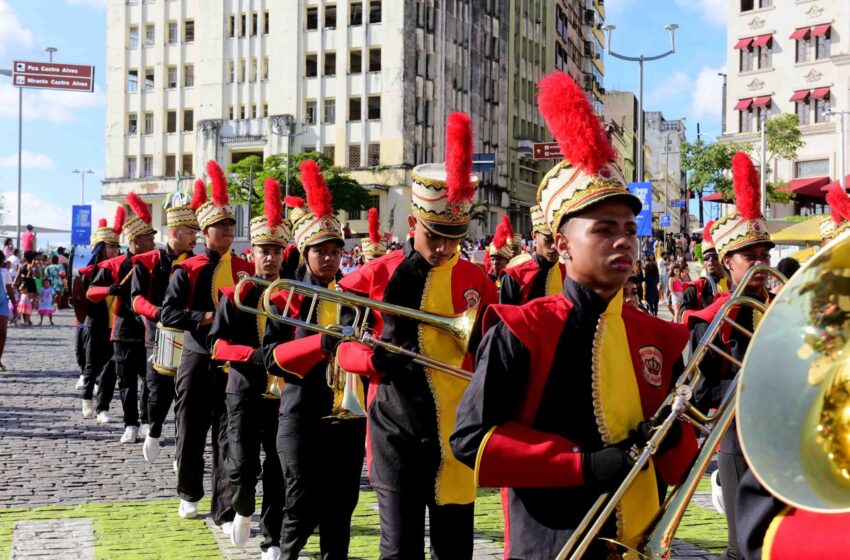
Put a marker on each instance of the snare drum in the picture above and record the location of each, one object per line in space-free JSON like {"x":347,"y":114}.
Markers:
{"x":167,"y":350}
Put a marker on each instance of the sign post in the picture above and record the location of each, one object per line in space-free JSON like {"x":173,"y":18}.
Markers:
{"x":644,"y":219}
{"x":80,"y":224}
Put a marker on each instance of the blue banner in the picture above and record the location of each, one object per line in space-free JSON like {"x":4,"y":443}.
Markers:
{"x":644,"y":220}
{"x":80,"y":224}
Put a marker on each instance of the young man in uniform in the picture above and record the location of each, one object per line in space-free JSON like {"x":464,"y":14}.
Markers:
{"x":412,"y":408}
{"x":565,"y":385}
{"x":701,"y":292}
{"x":128,"y":331}
{"x":499,"y":251}
{"x":151,"y":272}
{"x":189,"y":305}
{"x":374,"y":245}
{"x":542,"y":275}
{"x":252,"y":401}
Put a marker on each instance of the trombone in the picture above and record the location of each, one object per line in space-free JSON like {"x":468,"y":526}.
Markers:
{"x":658,"y":539}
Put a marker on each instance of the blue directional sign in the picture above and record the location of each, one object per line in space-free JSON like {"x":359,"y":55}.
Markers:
{"x":80,"y":224}
{"x":665,"y":220}
{"x":678,"y":203}
{"x":644,"y":220}
{"x":483,"y":163}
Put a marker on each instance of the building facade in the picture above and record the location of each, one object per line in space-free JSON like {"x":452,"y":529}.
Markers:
{"x":664,"y":167}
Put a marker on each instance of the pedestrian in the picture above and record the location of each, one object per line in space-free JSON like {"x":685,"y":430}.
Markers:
{"x":651,"y":282}
{"x":700,"y":293}
{"x":45,"y":302}
{"x":28,"y":241}
{"x":55,"y":273}
{"x":637,"y":272}
{"x":8,"y":247}
{"x":28,"y":292}
{"x":15,"y":262}
{"x":7,"y":296}
{"x":674,"y":291}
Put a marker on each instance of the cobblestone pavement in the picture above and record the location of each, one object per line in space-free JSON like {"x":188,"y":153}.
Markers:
{"x":71,"y":490}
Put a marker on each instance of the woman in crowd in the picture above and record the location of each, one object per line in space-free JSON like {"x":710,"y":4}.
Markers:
{"x":651,"y":281}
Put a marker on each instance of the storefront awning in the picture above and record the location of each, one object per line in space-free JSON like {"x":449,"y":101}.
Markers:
{"x":808,"y":186}
{"x":762,"y":101}
{"x":762,"y":40}
{"x":820,"y":93}
{"x":744,"y":43}
{"x":800,"y":95}
{"x":743,"y":104}
{"x":821,"y":30}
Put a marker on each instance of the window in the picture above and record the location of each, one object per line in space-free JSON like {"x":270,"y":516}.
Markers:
{"x":822,"y":45}
{"x":354,"y":155}
{"x":131,"y":167}
{"x":150,"y":35}
{"x":188,"y":120}
{"x":811,"y":168}
{"x":147,"y":166}
{"x":374,"y":60}
{"x":329,"y":152}
{"x":330,"y":64}
{"x":355,"y":13}
{"x":804,"y":44}
{"x":253,"y":70}
{"x":374,"y":11}
{"x":231,"y":113}
{"x":255,"y":24}
{"x":265,"y":109}
{"x":231,"y":26}
{"x":172,"y":32}
{"x":330,"y":17}
{"x":170,"y":165}
{"x":802,"y":109}
{"x":186,"y":166}
{"x":354,"y":109}
{"x":132,"y":81}
{"x":330,"y":111}
{"x":188,"y":75}
{"x":170,"y":121}
{"x":745,"y":120}
{"x":132,"y":123}
{"x":241,"y":71}
{"x":355,"y":62}
{"x":821,"y":106}
{"x":172,"y":77}
{"x":265,"y":68}
{"x":253,"y":110}
{"x":189,"y":31}
{"x":243,"y":25}
{"x":765,"y":53}
{"x":242,"y":112}
{"x":374,"y":107}
{"x":148,"y":123}
{"x":231,"y":71}
{"x":355,"y":214}
{"x":373,"y":156}
{"x":311,"y":64}
{"x":312,"y":18}
{"x":310,"y":116}
{"x":747,"y":61}
{"x":266,"y":22}
{"x":747,"y":5}
{"x":149,"y":82}
{"x":133,"y":41}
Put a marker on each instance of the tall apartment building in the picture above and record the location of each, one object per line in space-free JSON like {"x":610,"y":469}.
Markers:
{"x":669,"y":182}
{"x":369,"y":83}
{"x":790,"y":56}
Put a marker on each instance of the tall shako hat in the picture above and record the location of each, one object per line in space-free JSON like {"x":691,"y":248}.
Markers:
{"x":140,"y":222}
{"x":316,"y":222}
{"x":746,"y":225}
{"x":443,"y":192}
{"x":179,"y":210}
{"x":588,"y":174}
{"x":374,"y":245}
{"x":538,"y":221}
{"x":218,"y":209}
{"x":707,"y":241}
{"x":270,"y":228}
{"x":110,"y":235}
{"x":839,"y":209}
{"x":502,"y":240}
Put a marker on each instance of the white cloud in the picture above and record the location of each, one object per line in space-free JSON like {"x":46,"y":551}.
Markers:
{"x":713,"y":11}
{"x":707,"y":93}
{"x":37,"y":211}
{"x":666,"y":89}
{"x":28,"y":159}
{"x":12,"y":32}
{"x":93,"y":3}
{"x":614,"y":7}
{"x":48,"y":105}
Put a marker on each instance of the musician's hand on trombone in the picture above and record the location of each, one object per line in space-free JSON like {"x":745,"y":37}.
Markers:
{"x":386,"y":361}
{"x":642,"y":434}
{"x":115,"y":289}
{"x":605,"y":469}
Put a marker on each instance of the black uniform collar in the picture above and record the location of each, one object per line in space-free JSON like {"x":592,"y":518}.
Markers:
{"x":213,"y":256}
{"x":583,"y":299}
{"x":543,"y":262}
{"x":415,"y":257}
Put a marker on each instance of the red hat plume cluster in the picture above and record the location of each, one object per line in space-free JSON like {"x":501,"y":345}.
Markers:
{"x":745,"y":180}
{"x":502,"y":235}
{"x":374,"y":226}
{"x":199,"y":195}
{"x":101,"y":223}
{"x":294,"y":201}
{"x":219,"y":184}
{"x":272,"y":204}
{"x":120,"y":216}
{"x":318,"y":194}
{"x":839,"y":204}
{"x":139,"y":208}
{"x":706,"y":231}
{"x":459,"y":184}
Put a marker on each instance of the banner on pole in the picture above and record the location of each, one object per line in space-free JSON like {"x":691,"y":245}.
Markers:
{"x":81,"y":224}
{"x":644,"y":220}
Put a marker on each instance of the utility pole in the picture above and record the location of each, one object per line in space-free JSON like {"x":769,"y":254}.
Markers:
{"x":82,"y":183}
{"x":763,"y":167}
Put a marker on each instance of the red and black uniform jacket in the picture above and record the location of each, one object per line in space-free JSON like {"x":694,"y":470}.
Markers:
{"x":236,"y":336}
{"x":97,"y":314}
{"x":527,"y":281}
{"x":698,"y":294}
{"x":151,"y":272}
{"x":192,"y":293}
{"x":532,"y":392}
{"x":126,"y":325}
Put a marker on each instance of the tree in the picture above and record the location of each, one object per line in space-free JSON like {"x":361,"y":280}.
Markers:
{"x":347,"y":193}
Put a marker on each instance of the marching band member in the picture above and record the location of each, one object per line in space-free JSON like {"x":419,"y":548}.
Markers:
{"x":128,"y":331}
{"x":412,"y":408}
{"x":499,"y":251}
{"x":151,"y":272}
{"x":322,"y":457}
{"x":742,"y":241}
{"x":99,"y":369}
{"x":374,"y":245}
{"x":700,"y":293}
{"x":565,"y":384}
{"x":252,"y":405}
{"x":542,"y":275}
{"x":189,"y":305}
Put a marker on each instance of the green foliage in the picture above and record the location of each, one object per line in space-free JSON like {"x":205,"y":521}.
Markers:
{"x":347,"y":193}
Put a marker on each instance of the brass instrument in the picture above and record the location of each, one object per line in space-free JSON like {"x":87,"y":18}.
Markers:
{"x":658,"y":539}
{"x":794,"y":395}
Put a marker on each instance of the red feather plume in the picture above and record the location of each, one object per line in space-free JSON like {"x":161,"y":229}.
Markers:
{"x":488,"y":265}
{"x":509,"y":229}
{"x":576,"y":127}
{"x":139,"y":208}
{"x":120,"y":216}
{"x":745,"y":179}
{"x":374,"y":225}
{"x":706,"y":231}
{"x":839,"y":204}
{"x":318,"y":194}
{"x":459,"y":158}
{"x":101,"y":223}
{"x":272,"y":205}
{"x":199,"y":196}
{"x":219,"y":183}
{"x":294,"y":201}
{"x":501,"y":236}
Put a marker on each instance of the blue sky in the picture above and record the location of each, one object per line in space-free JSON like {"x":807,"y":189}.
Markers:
{"x":65,"y":130}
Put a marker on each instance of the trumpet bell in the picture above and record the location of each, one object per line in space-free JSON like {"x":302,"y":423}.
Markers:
{"x":793,"y":404}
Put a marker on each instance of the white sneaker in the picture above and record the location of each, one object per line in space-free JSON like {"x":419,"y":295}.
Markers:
{"x":717,"y":493}
{"x":144,"y":430}
{"x":96,"y":387}
{"x":88,"y":408}
{"x":81,"y":383}
{"x":241,"y":531}
{"x":131,"y":434}
{"x":188,"y":510}
{"x":103,"y":417}
{"x":227,"y":528}
{"x":271,"y":553}
{"x":151,"y":449}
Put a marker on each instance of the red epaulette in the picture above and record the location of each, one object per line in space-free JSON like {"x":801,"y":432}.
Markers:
{"x":707,"y":314}
{"x":149,"y":260}
{"x":86,"y":271}
{"x":230,"y":291}
{"x":192,"y":263}
{"x":113,"y":265}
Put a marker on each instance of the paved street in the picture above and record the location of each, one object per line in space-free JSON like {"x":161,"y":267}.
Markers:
{"x":70,"y":490}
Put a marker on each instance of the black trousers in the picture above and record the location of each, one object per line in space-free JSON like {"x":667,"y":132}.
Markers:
{"x":322,"y":461}
{"x":732,"y":467}
{"x":130,"y":368}
{"x":100,"y":369}
{"x":80,"y":346}
{"x":160,"y":397}
{"x":252,"y":424}
{"x":403,"y":526}
{"x":200,"y":406}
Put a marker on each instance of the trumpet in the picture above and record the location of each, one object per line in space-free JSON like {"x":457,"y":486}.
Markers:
{"x":658,"y":539}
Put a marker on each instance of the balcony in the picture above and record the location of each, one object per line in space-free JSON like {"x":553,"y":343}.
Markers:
{"x":242,"y":130}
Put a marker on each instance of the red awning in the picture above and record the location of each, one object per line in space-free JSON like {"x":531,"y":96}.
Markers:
{"x":744,"y":43}
{"x":809,"y":186}
{"x":713,"y":197}
{"x":820,"y":93}
{"x":829,"y":186}
{"x":762,"y":101}
{"x":821,"y":30}
{"x":762,"y":40}
{"x":801,"y":33}
{"x":743,"y":104}
{"x":800,"y":95}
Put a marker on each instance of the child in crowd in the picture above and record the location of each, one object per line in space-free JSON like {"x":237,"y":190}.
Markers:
{"x":45,"y":302}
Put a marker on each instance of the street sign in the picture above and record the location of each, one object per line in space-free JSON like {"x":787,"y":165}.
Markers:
{"x":546,"y":150}
{"x":678,"y":203}
{"x":51,"y":75}
{"x":644,"y":219}
{"x":665,"y":220}
{"x":483,"y":163}
{"x":80,"y":224}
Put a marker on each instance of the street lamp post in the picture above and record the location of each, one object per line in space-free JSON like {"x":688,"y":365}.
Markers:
{"x":841,"y":161}
{"x":672,"y":27}
{"x":82,"y":183}
{"x":763,"y":167}
{"x":280,"y":125}
{"x":723,"y":101}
